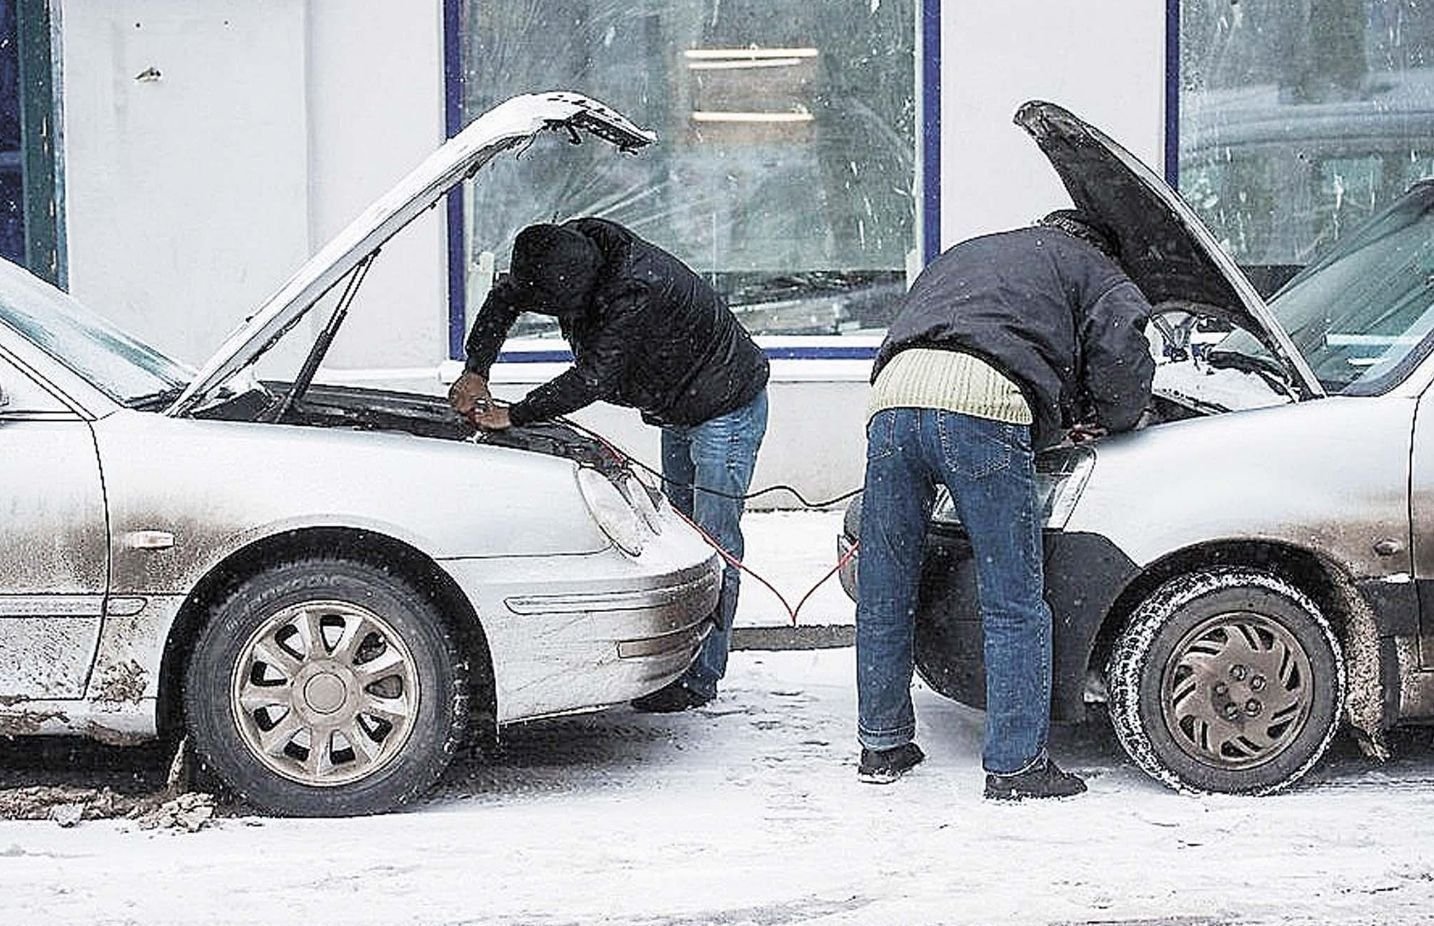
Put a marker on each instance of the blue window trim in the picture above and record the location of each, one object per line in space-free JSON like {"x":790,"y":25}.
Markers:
{"x":1172,"y":93}
{"x":930,"y":130}
{"x":930,"y":180}
{"x":814,"y":352}
{"x":452,"y":125}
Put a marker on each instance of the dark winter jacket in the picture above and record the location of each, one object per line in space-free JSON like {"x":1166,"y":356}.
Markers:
{"x":1050,"y":311}
{"x":652,"y":335}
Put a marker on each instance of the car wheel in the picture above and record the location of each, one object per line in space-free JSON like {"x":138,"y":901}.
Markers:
{"x":326,"y":687}
{"x":1226,"y":680}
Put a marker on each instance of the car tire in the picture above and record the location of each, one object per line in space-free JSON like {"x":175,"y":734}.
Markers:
{"x":1226,"y":680}
{"x":384,"y":691}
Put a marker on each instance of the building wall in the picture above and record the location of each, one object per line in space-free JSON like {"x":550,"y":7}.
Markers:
{"x":193,"y":193}
{"x":257,"y":130}
{"x":185,"y":161}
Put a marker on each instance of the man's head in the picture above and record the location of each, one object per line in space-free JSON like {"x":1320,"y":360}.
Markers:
{"x":555,"y":267}
{"x":1087,"y":228}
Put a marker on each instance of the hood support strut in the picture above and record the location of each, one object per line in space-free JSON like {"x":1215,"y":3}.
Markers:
{"x":325,"y":338}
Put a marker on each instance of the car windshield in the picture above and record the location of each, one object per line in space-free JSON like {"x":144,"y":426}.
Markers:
{"x":123,"y":368}
{"x":1362,"y":313}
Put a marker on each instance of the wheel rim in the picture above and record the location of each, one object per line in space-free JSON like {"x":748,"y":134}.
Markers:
{"x":325,"y":693}
{"x":1237,"y":691}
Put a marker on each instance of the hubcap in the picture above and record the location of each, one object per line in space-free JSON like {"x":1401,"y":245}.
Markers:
{"x":325,"y":693}
{"x":1236,"y":691}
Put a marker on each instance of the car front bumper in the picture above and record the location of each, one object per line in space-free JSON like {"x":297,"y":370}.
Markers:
{"x":571,"y":633}
{"x":1084,"y":576}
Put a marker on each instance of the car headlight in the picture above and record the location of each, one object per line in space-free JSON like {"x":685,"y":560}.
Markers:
{"x":649,"y":503}
{"x":1060,"y":477}
{"x":611,"y":510}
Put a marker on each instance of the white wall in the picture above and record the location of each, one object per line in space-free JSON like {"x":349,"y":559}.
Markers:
{"x":375,"y":95}
{"x":1104,"y":60}
{"x":186,"y":194}
{"x":191,"y":197}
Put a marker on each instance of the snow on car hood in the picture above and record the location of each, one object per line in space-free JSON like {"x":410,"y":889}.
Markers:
{"x":506,"y":126}
{"x":1165,"y":248}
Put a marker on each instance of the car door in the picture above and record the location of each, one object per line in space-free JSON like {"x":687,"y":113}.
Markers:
{"x":1421,"y":510}
{"x":54,"y":558}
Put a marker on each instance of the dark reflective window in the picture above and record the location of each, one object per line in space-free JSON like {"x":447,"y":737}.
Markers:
{"x":786,"y":157}
{"x":12,"y":181}
{"x":1300,"y":120}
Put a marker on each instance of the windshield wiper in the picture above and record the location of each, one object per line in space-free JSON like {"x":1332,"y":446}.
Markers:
{"x":1274,"y":375}
{"x":161,"y":399}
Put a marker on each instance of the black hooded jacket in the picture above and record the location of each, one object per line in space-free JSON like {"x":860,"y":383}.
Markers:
{"x":652,"y":335}
{"x":1050,"y":311}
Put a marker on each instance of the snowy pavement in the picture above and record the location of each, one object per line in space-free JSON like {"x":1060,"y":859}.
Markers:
{"x":748,"y":812}
{"x":792,"y":550}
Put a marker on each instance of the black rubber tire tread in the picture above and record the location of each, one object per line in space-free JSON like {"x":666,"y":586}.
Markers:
{"x":441,"y":666}
{"x":1134,"y":683}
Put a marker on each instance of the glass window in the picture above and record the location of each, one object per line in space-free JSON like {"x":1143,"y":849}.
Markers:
{"x":12,"y":181}
{"x":785,"y":163}
{"x":117,"y":364}
{"x":1361,"y":314}
{"x":1300,"y":120}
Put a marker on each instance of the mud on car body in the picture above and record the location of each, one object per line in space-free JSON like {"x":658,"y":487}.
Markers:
{"x":1254,"y":566}
{"x":320,"y":585}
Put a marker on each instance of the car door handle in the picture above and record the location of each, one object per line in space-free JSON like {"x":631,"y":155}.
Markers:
{"x":1387,"y":547}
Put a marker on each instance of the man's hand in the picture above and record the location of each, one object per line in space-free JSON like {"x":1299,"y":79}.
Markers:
{"x":1086,"y":432}
{"x":491,"y":418}
{"x":469,"y":395}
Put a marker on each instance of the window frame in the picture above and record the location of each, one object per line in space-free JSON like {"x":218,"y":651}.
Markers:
{"x":777,"y":347}
{"x":45,"y":251}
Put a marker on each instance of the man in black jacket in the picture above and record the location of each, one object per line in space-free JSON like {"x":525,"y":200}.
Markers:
{"x":1002,"y":343}
{"x":648,"y":333}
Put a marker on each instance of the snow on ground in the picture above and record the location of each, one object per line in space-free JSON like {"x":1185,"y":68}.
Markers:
{"x":792,"y":550}
{"x":748,"y":812}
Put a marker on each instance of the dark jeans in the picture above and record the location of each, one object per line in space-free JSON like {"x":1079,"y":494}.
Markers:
{"x":988,"y":466}
{"x":717,"y":456}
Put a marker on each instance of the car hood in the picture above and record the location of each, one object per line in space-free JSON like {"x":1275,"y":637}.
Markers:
{"x":506,"y":126}
{"x":1165,"y":248}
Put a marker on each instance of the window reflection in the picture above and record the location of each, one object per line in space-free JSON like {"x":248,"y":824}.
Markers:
{"x":1300,"y":120}
{"x":786,"y":157}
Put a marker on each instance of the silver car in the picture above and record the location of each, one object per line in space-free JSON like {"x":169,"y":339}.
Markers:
{"x":321,"y":585}
{"x":1255,"y":566}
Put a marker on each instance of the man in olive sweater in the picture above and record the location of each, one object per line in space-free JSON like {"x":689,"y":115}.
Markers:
{"x":648,"y":333}
{"x":1002,"y":343}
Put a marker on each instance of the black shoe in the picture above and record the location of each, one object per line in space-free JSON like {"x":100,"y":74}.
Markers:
{"x":883,"y":766}
{"x":1044,"y":779}
{"x":675,"y":697}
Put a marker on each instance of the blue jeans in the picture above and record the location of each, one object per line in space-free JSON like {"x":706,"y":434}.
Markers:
{"x":989,"y":468}
{"x":717,"y":455}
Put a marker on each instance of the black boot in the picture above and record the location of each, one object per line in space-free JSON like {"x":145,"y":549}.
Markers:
{"x":883,"y":766}
{"x":1044,"y":779}
{"x":675,"y":697}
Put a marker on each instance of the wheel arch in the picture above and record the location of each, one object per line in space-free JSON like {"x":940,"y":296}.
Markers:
{"x":360,"y":545}
{"x":1327,"y":583}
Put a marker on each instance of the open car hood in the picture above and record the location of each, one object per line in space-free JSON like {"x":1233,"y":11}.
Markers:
{"x":1165,"y":248}
{"x":506,"y":126}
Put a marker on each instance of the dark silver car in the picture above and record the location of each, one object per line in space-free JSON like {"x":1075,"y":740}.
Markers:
{"x":1255,"y":566}
{"x":320,"y":585}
